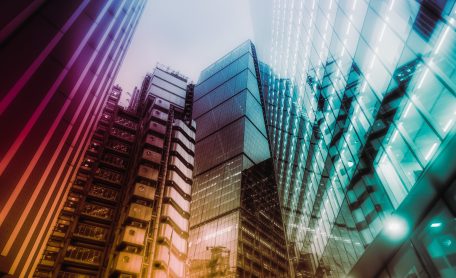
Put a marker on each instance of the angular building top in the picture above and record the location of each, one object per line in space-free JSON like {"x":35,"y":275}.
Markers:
{"x":235,"y":220}
{"x":227,"y":104}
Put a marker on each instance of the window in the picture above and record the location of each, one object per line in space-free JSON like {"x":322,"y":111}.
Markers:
{"x":90,"y":231}
{"x":435,"y":240}
{"x":103,"y":192}
{"x":84,"y":255}
{"x":97,"y":211}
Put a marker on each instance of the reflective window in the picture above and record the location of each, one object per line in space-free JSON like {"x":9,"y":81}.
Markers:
{"x":407,"y":264}
{"x":436,"y":240}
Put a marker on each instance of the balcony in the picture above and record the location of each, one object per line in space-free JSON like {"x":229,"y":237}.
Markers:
{"x":140,"y":212}
{"x":144,"y":191}
{"x":133,"y":236}
{"x":128,"y":263}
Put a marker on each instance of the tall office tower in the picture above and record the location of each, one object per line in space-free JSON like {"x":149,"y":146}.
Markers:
{"x":58,"y":59}
{"x":360,"y":106}
{"x":235,"y":221}
{"x":126,"y":213}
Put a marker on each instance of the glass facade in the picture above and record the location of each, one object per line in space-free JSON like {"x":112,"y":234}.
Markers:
{"x":360,"y":103}
{"x":227,"y":237}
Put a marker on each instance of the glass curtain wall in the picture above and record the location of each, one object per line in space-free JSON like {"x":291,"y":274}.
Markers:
{"x":360,"y":99}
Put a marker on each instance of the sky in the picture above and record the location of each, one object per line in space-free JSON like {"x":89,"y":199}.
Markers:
{"x":186,"y":35}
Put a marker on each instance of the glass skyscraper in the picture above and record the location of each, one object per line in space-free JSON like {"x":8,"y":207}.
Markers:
{"x":235,"y":222}
{"x":360,"y":107}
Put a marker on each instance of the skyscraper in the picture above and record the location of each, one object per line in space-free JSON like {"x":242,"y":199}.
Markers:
{"x":235,"y":222}
{"x":58,"y":60}
{"x":360,"y":108}
{"x":127,"y":208}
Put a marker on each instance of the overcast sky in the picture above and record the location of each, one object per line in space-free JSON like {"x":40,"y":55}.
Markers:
{"x":187,"y":35}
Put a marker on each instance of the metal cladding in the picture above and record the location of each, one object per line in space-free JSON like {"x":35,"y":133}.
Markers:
{"x":128,"y":207}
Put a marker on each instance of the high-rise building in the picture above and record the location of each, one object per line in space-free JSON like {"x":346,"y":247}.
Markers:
{"x":58,"y":59}
{"x":127,"y":209}
{"x":235,"y":221}
{"x":360,"y":103}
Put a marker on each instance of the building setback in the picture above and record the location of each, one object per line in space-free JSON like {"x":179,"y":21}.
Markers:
{"x":360,"y":106}
{"x":235,"y":221}
{"x":127,"y":209}
{"x":58,"y":60}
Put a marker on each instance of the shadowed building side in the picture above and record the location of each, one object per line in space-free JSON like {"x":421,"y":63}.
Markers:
{"x":58,"y":61}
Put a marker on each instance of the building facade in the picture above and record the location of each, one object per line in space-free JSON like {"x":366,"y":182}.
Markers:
{"x":58,"y":60}
{"x":235,"y":223}
{"x":359,"y":102}
{"x":126,"y":213}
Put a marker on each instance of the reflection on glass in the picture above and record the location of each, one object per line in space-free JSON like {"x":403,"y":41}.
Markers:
{"x":436,"y":240}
